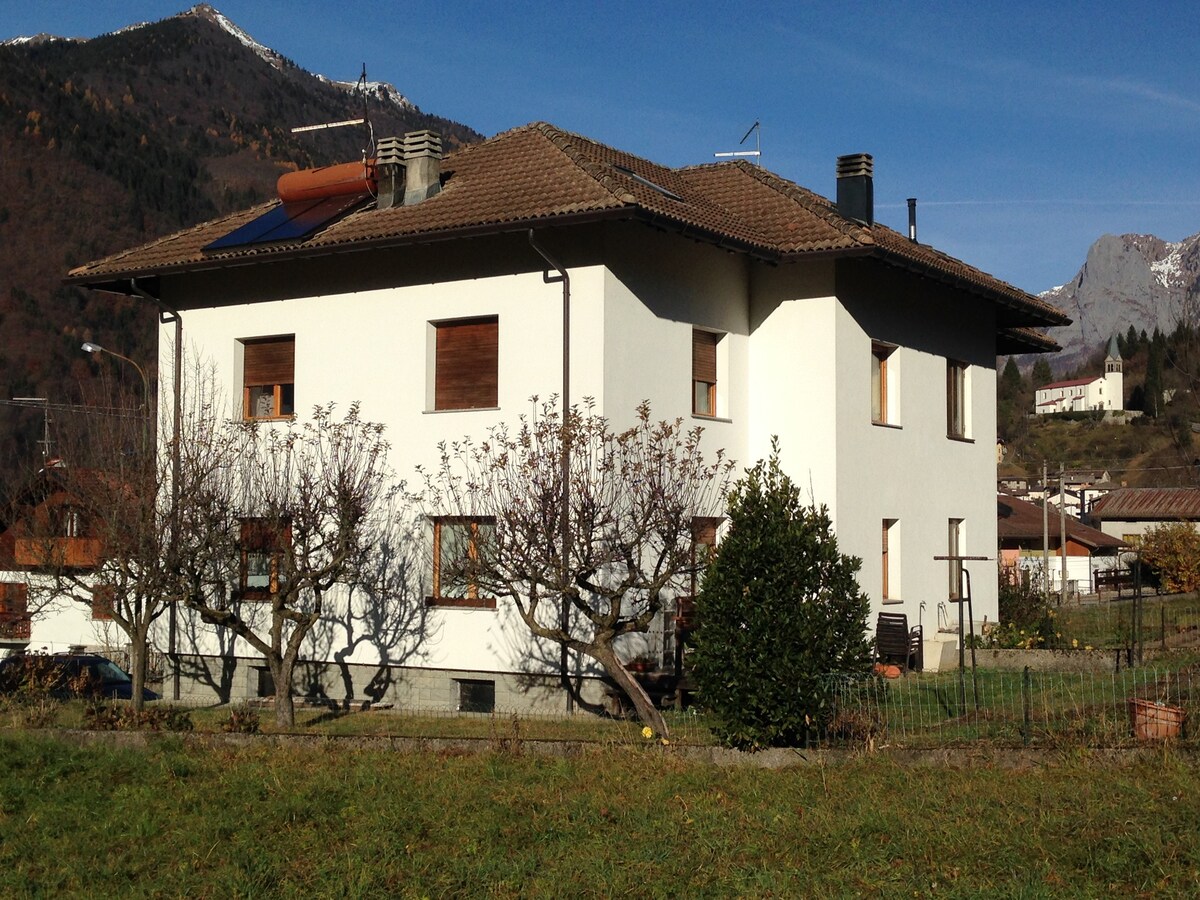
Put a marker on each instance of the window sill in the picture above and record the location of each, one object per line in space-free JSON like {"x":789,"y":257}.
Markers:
{"x":960,"y":438}
{"x":892,"y":425}
{"x":461,"y":602}
{"x":703,"y":418}
{"x":287,"y":418}
{"x":465,"y":409}
{"x":891,"y":601}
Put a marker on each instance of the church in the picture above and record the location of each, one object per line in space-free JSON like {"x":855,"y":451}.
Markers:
{"x":1104,"y":392}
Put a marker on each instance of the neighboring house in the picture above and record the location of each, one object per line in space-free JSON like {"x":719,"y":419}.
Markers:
{"x":1129,"y":513}
{"x":1104,"y":392}
{"x":722,"y":293}
{"x":48,"y":524}
{"x":1024,"y":531}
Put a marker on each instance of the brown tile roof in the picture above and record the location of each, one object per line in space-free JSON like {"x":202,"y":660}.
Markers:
{"x":1020,"y":521}
{"x":538,"y":175}
{"x":1167,"y":504}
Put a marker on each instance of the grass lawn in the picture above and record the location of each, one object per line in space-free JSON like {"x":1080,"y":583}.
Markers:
{"x":326,"y":820}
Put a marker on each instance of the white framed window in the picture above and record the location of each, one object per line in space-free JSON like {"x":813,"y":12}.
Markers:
{"x":958,"y":399}
{"x":890,"y":562}
{"x":956,"y":540}
{"x":708,"y":351}
{"x":885,"y":384}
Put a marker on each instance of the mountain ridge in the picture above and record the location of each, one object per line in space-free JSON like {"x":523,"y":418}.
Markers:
{"x":1129,"y":279}
{"x":111,"y":141}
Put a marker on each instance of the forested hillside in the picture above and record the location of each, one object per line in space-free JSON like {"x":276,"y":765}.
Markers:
{"x":109,"y":142}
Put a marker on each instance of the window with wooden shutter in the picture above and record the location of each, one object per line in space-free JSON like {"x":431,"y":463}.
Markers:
{"x":957,"y":406}
{"x":103,"y":597}
{"x":262,"y":544}
{"x":704,"y":372}
{"x":14,"y":610}
{"x":458,"y":547}
{"x":466,"y":364}
{"x":268,"y":377}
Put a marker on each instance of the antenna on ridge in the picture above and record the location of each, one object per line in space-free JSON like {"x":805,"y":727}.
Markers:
{"x":361,"y":88}
{"x":756,"y":130}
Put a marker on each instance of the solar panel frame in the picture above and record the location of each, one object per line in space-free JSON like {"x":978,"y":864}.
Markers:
{"x":290,"y":221}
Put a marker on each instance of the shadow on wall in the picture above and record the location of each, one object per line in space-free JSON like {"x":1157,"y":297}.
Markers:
{"x":382,"y":617}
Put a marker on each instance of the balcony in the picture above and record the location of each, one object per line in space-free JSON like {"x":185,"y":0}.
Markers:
{"x":14,"y":627}
{"x":73,"y":552}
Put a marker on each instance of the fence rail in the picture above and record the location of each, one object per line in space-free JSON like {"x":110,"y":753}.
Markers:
{"x":1018,"y":708}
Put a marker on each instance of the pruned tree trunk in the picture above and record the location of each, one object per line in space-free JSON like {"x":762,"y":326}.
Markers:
{"x":649,"y":714}
{"x":137,"y":669}
{"x":285,"y":704}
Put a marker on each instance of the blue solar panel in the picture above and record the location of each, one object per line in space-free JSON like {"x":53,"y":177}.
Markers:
{"x":289,"y":221}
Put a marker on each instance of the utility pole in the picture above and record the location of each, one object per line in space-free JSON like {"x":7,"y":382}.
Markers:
{"x":1062,"y":530}
{"x":1045,"y":538}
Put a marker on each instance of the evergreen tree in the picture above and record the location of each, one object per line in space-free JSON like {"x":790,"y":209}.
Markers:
{"x":1011,"y":382}
{"x":1041,"y":374}
{"x":779,"y":611}
{"x":1131,"y":343}
{"x":1152,"y":391}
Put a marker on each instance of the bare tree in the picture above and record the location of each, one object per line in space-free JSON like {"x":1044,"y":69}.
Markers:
{"x":268,"y":541}
{"x":97,"y":539}
{"x":631,"y":500}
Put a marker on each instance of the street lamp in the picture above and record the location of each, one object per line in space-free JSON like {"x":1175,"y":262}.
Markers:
{"x":89,"y":347}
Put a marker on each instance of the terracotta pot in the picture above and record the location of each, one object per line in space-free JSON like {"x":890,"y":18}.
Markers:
{"x":1153,"y":721}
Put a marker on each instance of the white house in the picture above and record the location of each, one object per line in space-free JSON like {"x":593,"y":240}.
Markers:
{"x":722,"y":293}
{"x":1104,"y":392}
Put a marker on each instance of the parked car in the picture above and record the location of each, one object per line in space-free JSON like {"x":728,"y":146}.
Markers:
{"x":66,"y":675}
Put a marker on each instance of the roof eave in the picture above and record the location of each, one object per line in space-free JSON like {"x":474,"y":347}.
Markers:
{"x":1036,"y":316}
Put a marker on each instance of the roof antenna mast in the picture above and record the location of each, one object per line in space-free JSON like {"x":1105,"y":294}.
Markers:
{"x":756,"y":130}
{"x":360,"y":88}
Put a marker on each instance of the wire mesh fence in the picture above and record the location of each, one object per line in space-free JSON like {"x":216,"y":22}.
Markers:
{"x":1155,"y":622}
{"x":1018,"y":708}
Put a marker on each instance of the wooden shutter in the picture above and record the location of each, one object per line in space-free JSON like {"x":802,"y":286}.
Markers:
{"x":13,"y":598}
{"x":704,"y":356}
{"x":466,"y":367}
{"x":269,"y":361}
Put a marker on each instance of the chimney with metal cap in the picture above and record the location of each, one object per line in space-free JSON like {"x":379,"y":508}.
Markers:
{"x":855,"y":187}
{"x":389,"y":172}
{"x":912,"y":219}
{"x":423,"y":165}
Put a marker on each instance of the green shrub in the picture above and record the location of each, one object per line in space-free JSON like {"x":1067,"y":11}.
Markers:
{"x":778,"y":612}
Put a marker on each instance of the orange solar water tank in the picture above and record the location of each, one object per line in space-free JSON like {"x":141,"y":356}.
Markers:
{"x":327,"y":181}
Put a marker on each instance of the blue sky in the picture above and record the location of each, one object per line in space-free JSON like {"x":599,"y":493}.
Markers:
{"x":1025,"y":130}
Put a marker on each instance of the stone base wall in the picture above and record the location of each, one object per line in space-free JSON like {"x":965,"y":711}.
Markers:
{"x":214,"y":679}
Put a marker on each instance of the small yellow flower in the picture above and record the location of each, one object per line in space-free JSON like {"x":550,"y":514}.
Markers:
{"x":1075,"y":643}
{"x":1058,"y":634}
{"x":647,"y":732}
{"x":1088,"y":647}
{"x":665,"y":742}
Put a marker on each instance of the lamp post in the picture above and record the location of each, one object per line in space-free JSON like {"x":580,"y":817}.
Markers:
{"x":89,"y":347}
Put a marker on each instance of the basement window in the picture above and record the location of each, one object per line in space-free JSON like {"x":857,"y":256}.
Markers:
{"x":477,"y":696}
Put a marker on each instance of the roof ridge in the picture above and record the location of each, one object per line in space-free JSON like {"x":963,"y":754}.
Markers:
{"x":563,"y":140}
{"x":812,"y":201}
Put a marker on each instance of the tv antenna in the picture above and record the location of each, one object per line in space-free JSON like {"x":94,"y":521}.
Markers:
{"x":360,"y":88}
{"x":756,"y":130}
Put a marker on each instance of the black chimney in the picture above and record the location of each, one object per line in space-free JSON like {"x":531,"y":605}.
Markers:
{"x":912,"y":219}
{"x":855,"y":187}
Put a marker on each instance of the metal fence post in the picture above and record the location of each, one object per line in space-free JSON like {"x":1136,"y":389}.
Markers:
{"x":1026,"y":702}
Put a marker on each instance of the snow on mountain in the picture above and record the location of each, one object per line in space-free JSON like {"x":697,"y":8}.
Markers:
{"x":1131,"y":279}
{"x":204,"y":11}
{"x":381,"y":90}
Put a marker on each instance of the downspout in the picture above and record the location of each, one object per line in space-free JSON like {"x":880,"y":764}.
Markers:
{"x":564,"y":523}
{"x":168,"y":314}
